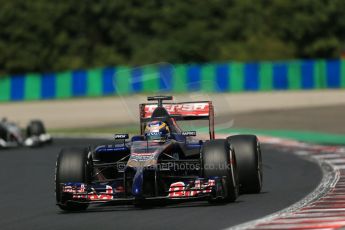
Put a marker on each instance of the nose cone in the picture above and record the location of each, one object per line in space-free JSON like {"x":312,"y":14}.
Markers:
{"x":137,"y":186}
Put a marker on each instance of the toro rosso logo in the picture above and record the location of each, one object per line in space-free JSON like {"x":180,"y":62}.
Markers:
{"x":185,"y":109}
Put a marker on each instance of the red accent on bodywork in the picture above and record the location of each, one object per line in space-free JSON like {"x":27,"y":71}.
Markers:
{"x":183,"y":109}
{"x":180,"y":189}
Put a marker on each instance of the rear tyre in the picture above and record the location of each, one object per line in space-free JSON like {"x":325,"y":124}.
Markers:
{"x":72,"y":165}
{"x":249,"y":162}
{"x":3,"y":133}
{"x":35,"y":128}
{"x":219,"y":161}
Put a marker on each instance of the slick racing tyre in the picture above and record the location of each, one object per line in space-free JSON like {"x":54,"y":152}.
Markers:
{"x":3,"y":133}
{"x":219,"y":161}
{"x":35,"y":128}
{"x":72,"y":165}
{"x":249,"y":162}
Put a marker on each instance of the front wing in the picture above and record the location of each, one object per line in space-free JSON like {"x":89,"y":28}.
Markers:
{"x":34,"y":141}
{"x":197,"y":189}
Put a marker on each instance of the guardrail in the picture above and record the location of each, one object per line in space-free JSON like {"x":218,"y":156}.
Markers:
{"x":209,"y":77}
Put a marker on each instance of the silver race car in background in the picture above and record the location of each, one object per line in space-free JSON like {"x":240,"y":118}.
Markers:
{"x":11,"y":135}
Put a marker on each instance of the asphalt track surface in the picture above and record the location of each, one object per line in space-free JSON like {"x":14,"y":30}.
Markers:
{"x":27,"y":195}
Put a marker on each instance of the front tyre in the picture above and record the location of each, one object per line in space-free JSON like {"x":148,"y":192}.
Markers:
{"x":35,"y":128}
{"x":249,"y":162}
{"x":72,"y":165}
{"x":219,"y":161}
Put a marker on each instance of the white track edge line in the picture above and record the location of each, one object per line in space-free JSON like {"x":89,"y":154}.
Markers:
{"x":329,"y":179}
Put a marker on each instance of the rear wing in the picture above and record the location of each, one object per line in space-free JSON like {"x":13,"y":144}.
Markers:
{"x":199,"y":110}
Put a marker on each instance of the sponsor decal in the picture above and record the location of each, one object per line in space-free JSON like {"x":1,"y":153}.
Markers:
{"x":184,"y":109}
{"x":121,"y":136}
{"x":210,"y":184}
{"x":108,"y":195}
{"x":189,"y":133}
{"x":79,"y":192}
{"x":180,"y":189}
{"x":142,"y":156}
{"x":154,"y":133}
{"x":177,"y":189}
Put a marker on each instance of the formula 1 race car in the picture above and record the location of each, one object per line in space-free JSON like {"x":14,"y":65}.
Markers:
{"x":163,"y":163}
{"x":12,"y":136}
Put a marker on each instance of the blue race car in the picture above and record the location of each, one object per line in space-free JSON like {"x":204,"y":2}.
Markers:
{"x":163,"y":163}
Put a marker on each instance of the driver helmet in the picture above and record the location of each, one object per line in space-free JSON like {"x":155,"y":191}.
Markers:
{"x":157,"y":131}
